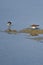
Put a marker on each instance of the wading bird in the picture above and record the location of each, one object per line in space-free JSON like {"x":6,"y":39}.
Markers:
{"x":9,"y":30}
{"x":34,"y":26}
{"x":9,"y":24}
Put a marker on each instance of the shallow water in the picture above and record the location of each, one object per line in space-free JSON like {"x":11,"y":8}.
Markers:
{"x":18,"y":50}
{"x":21,"y":49}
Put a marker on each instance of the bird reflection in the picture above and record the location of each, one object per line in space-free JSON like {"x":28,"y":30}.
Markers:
{"x":37,"y":38}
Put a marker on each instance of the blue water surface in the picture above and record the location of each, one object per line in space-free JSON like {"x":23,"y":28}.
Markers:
{"x":17,"y":49}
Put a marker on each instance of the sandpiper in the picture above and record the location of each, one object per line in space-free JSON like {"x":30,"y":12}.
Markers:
{"x":34,"y":26}
{"x":9,"y":23}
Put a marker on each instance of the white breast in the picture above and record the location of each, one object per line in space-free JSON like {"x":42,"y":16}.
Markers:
{"x":33,"y":27}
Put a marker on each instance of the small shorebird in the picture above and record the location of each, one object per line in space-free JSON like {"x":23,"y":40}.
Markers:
{"x":9,"y":24}
{"x":9,"y":30}
{"x":34,"y":26}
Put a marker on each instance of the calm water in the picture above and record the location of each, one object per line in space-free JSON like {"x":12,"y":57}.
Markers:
{"x":18,"y":50}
